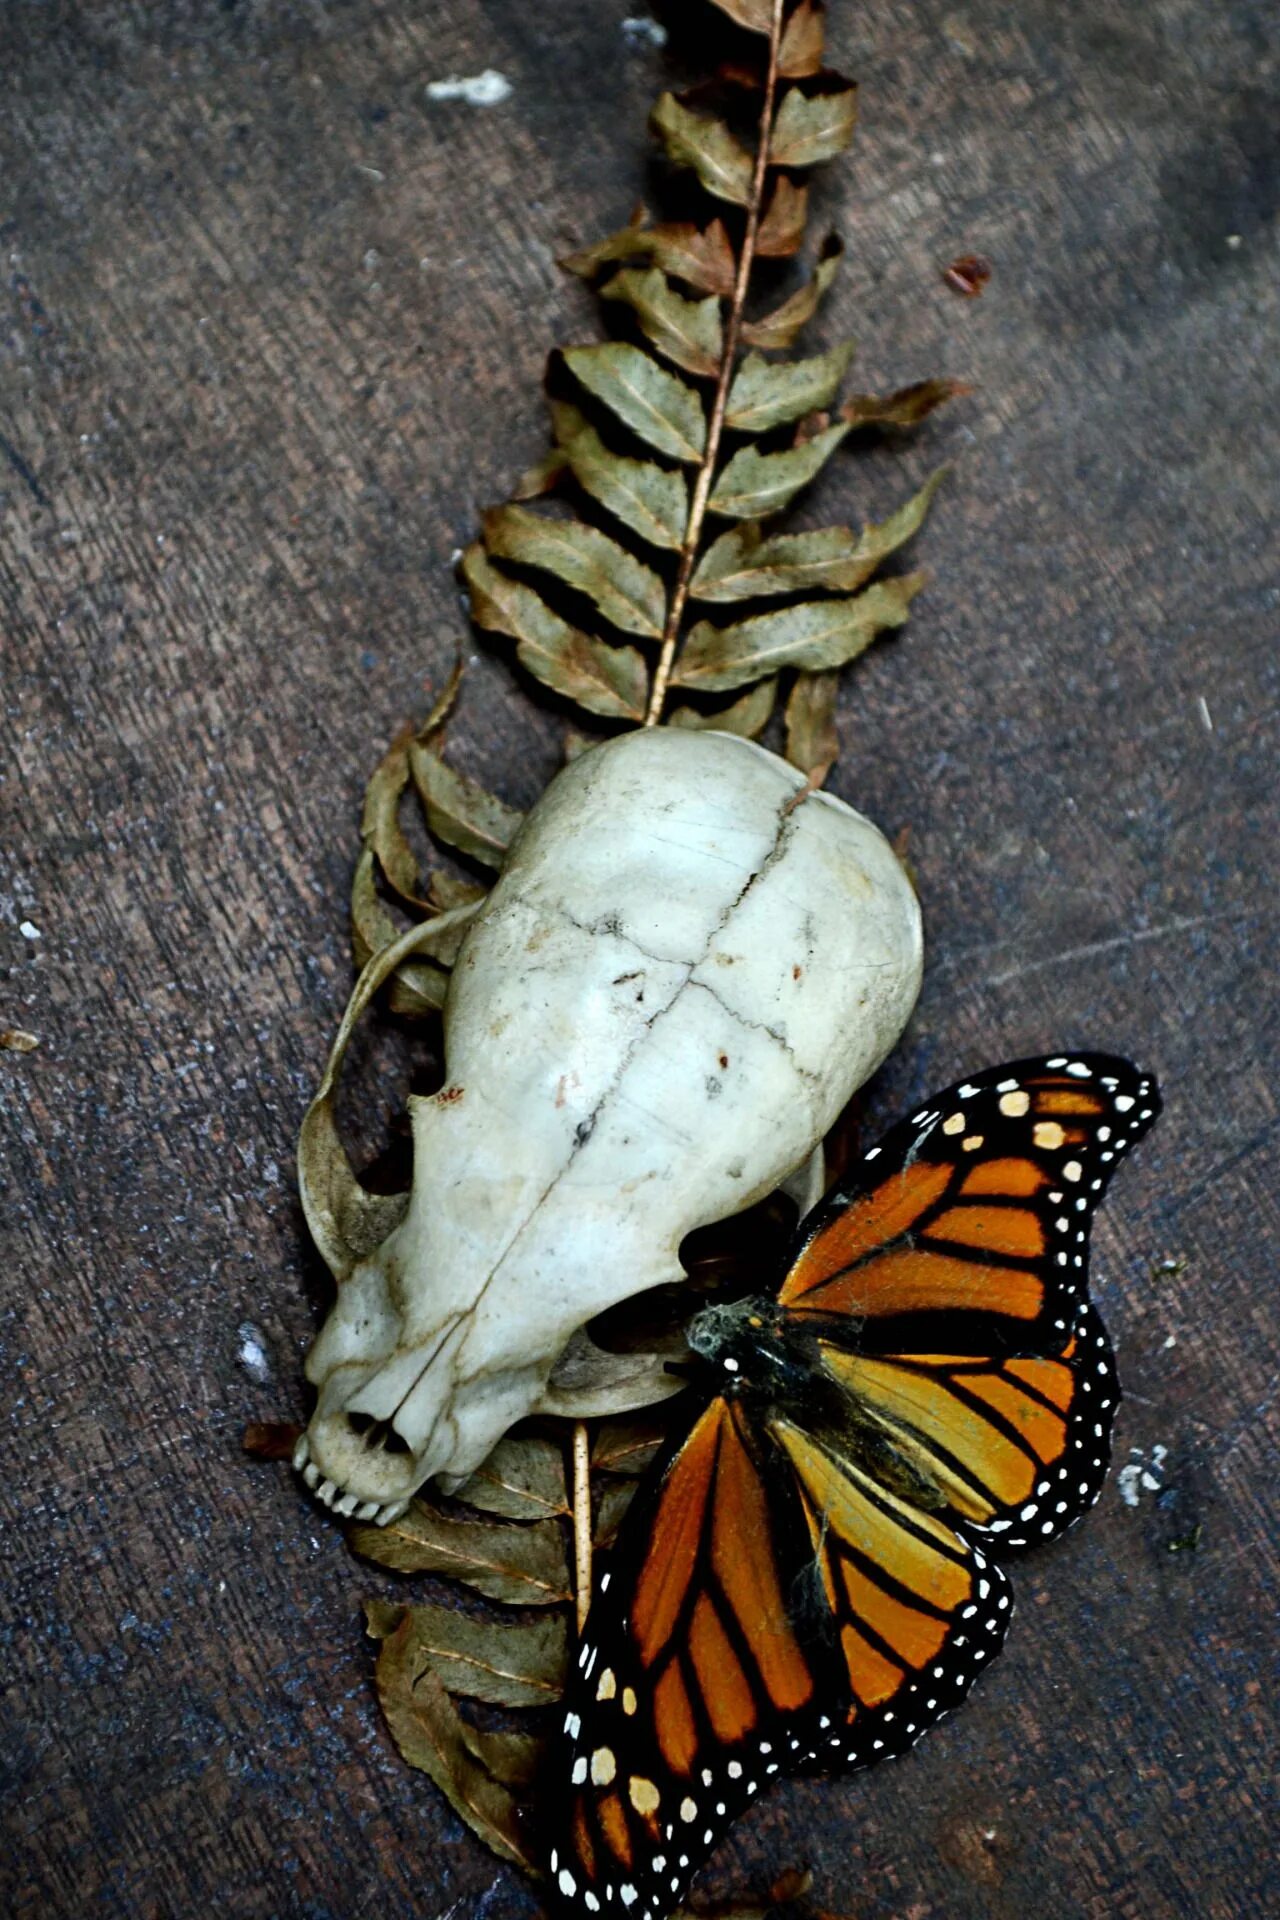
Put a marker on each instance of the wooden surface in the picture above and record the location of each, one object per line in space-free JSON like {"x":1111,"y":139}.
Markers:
{"x":273,"y":328}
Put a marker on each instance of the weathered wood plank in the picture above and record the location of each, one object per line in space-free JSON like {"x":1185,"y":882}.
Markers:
{"x":273,"y":326}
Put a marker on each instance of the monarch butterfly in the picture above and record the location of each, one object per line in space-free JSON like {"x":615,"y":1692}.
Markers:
{"x":804,"y":1584}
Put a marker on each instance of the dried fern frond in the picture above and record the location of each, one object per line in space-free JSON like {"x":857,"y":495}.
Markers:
{"x":675,"y":443}
{"x":637,"y":574}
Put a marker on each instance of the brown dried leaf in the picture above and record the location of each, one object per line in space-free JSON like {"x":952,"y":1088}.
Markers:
{"x":18,"y":1040}
{"x":812,"y":741}
{"x":800,"y":55}
{"x":432,"y":1736}
{"x":748,"y":716}
{"x":781,"y":230}
{"x":651,"y":500}
{"x":764,"y":393}
{"x":907,"y":407}
{"x":626,"y":591}
{"x":655,"y":404}
{"x":755,"y":15}
{"x":380,"y":822}
{"x":815,"y":634}
{"x":780,"y":328}
{"x":507,"y":1663}
{"x":627,"y":1446}
{"x":522,"y":1479}
{"x":460,"y":811}
{"x":523,"y":1566}
{"x":812,"y":127}
{"x":576,"y":743}
{"x":448,"y":891}
{"x":270,"y":1439}
{"x":612,"y":1501}
{"x":603,"y":679}
{"x":702,"y":257}
{"x":755,"y":484}
{"x":542,"y":477}
{"x":686,"y":332}
{"x":445,"y":701}
{"x":743,"y":565}
{"x":695,"y":140}
{"x":417,"y":988}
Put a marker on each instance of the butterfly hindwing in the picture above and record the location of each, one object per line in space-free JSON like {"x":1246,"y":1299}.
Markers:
{"x":1018,"y":1444}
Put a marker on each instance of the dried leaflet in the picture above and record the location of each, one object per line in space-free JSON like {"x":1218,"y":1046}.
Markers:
{"x":816,"y":634}
{"x":432,"y":1735}
{"x":523,"y":1479}
{"x":812,"y":740}
{"x":520,"y":1565}
{"x":748,"y":716}
{"x":625,"y":591}
{"x":506,"y":1663}
{"x":459,"y":811}
{"x":687,"y":332}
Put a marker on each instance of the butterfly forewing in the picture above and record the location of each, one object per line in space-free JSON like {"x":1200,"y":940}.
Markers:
{"x":689,"y":1689}
{"x":974,"y":1214}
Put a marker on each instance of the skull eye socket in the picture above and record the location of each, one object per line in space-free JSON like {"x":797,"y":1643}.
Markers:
{"x":379,"y":1436}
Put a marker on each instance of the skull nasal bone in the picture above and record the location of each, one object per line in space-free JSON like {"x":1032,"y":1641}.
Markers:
{"x":377,"y":1436}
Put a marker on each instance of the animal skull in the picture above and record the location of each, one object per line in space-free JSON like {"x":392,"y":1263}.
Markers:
{"x":685,"y":970}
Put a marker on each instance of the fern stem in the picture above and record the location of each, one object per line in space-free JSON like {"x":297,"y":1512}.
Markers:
{"x":581,"y":1522}
{"x":715,"y":429}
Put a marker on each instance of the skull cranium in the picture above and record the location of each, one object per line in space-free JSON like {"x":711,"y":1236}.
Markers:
{"x":685,"y":970}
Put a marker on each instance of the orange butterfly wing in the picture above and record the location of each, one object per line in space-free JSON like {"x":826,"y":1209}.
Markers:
{"x":783,"y":1613}
{"x":976,"y":1211}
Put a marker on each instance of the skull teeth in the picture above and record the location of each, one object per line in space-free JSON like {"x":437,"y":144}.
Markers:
{"x":347,"y":1505}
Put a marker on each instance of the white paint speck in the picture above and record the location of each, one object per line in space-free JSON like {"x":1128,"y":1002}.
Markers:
{"x":487,"y":89}
{"x":253,"y":1353}
{"x":30,"y":931}
{"x":1141,"y":1475}
{"x":643,"y":31}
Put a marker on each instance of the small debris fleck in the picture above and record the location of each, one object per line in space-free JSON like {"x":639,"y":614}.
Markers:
{"x":1187,"y":1542}
{"x":638,"y":27}
{"x":271,"y":1439}
{"x":1206,"y":718}
{"x":487,"y":89}
{"x":253,"y":1352}
{"x":1141,"y":1475}
{"x":1235,"y":241}
{"x":1170,"y":1267}
{"x":30,"y":931}
{"x":968,"y":275}
{"x":18,"y":1040}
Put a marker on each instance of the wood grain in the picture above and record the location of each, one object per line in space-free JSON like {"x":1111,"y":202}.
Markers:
{"x":273,"y":325}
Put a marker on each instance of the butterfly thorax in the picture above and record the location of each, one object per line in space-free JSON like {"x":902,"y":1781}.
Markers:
{"x":750,"y":1349}
{"x":756,"y":1351}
